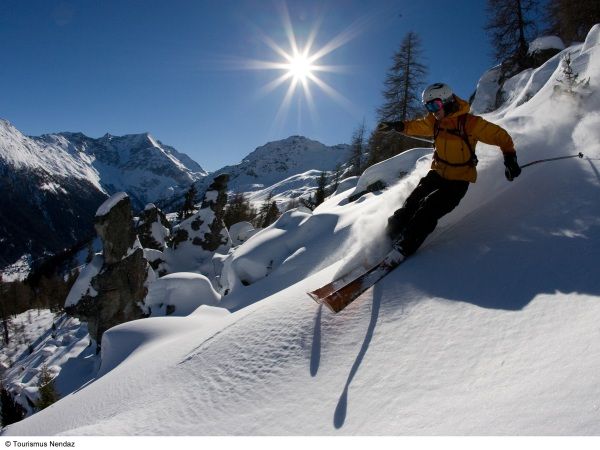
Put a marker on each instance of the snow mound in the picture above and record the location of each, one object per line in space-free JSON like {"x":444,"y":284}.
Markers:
{"x":240,"y":232}
{"x":180,"y":294}
{"x":592,"y":39}
{"x":545,"y":43}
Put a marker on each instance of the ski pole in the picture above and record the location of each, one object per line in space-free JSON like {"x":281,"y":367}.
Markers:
{"x":578,"y":155}
{"x":429,"y":141}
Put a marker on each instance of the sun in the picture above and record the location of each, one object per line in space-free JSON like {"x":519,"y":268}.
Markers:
{"x":300,"y":67}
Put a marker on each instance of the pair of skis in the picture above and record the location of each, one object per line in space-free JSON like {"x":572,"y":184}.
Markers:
{"x":341,"y":292}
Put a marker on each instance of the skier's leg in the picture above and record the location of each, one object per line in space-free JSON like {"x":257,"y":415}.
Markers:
{"x":431,"y":209}
{"x":402,"y":217}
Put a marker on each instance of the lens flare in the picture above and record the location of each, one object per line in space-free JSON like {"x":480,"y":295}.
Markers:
{"x":300,"y":65}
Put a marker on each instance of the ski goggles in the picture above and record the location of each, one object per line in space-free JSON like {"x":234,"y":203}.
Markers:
{"x":434,"y":105}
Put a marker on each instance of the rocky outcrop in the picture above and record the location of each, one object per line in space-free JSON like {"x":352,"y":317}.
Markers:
{"x":154,"y":232}
{"x":200,"y":238}
{"x":111,"y":289}
{"x":543,"y":48}
{"x":206,"y":228}
{"x":153,"y":228}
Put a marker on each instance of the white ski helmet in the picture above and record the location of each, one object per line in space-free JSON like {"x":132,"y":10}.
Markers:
{"x":437,"y":90}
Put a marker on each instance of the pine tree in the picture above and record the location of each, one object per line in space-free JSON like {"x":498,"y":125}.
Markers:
{"x":402,"y":99}
{"x":357,"y":150}
{"x":238,"y":209}
{"x":570,"y":82}
{"x":264,"y":211}
{"x":11,"y":411}
{"x":404,"y":82}
{"x":320,"y":193}
{"x":571,"y":23}
{"x":338,"y":173}
{"x":187,"y":209}
{"x":511,"y":28}
{"x":47,"y":390}
{"x":271,"y":215}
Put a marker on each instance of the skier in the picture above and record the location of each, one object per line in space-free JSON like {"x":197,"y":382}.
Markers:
{"x":455,"y":133}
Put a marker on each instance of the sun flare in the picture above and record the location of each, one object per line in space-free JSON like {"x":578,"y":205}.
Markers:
{"x":300,"y":67}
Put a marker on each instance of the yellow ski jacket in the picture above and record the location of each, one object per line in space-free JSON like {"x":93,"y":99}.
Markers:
{"x":452,"y":156}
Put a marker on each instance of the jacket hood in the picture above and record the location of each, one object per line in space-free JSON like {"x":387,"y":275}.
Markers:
{"x":463,"y":107}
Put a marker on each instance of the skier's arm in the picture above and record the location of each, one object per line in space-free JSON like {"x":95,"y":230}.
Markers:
{"x":492,"y":134}
{"x":418,"y":127}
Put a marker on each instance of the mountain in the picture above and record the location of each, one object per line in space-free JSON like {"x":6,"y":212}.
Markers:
{"x":138,"y":164}
{"x":286,"y":168}
{"x":52,"y":185}
{"x":491,"y":328}
{"x":72,"y":172}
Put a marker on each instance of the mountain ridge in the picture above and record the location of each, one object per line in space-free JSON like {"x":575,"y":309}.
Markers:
{"x":86,"y":170}
{"x":52,"y":184}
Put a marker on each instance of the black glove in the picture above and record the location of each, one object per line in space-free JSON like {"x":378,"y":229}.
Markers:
{"x":512,"y":170}
{"x":384,"y":127}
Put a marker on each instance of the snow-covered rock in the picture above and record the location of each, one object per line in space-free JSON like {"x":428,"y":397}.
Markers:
{"x":240,"y":232}
{"x":153,"y":228}
{"x":546,"y":43}
{"x":486,"y":93}
{"x":180,"y":294}
{"x":113,"y":293}
{"x":197,"y":238}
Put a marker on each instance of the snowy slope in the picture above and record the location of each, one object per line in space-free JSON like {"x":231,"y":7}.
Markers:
{"x":491,"y":328}
{"x":42,"y":338}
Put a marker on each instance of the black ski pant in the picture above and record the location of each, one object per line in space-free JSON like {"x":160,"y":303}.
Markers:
{"x":433,"y":198}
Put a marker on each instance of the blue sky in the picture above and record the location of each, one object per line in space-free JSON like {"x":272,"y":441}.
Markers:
{"x":179,"y":69}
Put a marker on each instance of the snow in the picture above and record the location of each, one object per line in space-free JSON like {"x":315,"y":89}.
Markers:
{"x":284,"y":168}
{"x":240,"y":232}
{"x":83,"y":285}
{"x":110,"y":203}
{"x":66,"y":350}
{"x":491,"y":328}
{"x":19,"y":270}
{"x":159,"y":233}
{"x":487,"y":89}
{"x":592,"y":39}
{"x":138,"y":164}
{"x":183,"y":291}
{"x":389,"y":171}
{"x":546,"y":42}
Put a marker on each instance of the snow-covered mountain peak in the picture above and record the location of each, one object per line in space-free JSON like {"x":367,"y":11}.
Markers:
{"x":293,"y":146}
{"x":63,"y":177}
{"x":277,"y":161}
